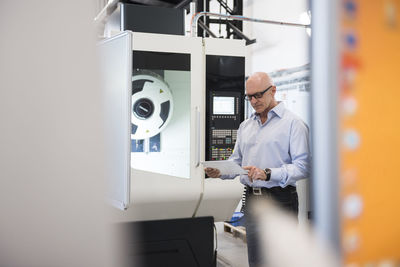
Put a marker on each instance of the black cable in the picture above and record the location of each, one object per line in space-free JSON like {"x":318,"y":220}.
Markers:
{"x":244,"y":199}
{"x":216,"y":245}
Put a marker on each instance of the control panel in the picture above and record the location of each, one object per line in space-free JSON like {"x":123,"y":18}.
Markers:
{"x":224,"y":103}
{"x":224,"y":122}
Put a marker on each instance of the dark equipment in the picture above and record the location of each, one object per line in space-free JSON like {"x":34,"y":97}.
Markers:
{"x":176,"y":242}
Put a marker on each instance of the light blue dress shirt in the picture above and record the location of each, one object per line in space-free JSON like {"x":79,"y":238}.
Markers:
{"x":281,"y":144}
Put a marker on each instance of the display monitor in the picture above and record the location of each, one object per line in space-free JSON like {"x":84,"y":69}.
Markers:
{"x":223,"y":105}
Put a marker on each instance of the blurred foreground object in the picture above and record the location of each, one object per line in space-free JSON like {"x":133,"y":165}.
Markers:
{"x":52,"y":156}
{"x":281,"y":234}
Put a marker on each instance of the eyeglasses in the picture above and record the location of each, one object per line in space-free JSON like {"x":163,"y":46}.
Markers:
{"x":257,"y":95}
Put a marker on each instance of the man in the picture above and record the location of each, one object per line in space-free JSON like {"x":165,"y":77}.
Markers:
{"x":273,"y":145}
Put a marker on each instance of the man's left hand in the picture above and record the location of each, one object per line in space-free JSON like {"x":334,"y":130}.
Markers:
{"x":255,"y":173}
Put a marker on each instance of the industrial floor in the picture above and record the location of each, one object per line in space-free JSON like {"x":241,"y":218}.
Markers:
{"x":232,"y":251}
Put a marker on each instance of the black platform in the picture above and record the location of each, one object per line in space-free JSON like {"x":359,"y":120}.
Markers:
{"x":176,"y":242}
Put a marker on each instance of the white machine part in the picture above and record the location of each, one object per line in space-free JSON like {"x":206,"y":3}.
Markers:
{"x":171,"y":183}
{"x":152,"y":105}
{"x":218,"y":194}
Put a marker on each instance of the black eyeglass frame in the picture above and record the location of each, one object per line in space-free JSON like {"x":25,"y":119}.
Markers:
{"x":257,"y":95}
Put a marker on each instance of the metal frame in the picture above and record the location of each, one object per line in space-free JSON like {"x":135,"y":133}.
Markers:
{"x":324,"y":98}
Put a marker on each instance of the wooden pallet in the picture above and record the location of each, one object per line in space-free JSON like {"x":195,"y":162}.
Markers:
{"x":236,"y":231}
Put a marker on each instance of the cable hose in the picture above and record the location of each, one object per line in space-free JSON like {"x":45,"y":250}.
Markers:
{"x":244,"y":200}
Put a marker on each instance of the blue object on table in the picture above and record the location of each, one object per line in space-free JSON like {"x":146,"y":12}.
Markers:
{"x":237,"y":219}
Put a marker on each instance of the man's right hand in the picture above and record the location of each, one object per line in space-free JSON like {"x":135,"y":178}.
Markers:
{"x":213,"y":173}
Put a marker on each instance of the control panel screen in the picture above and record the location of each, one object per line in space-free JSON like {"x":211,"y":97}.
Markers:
{"x":223,"y":105}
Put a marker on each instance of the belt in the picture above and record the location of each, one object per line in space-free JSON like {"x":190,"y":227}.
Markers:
{"x":259,"y":191}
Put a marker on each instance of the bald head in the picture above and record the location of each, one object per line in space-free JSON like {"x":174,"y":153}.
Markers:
{"x":257,"y":82}
{"x":261,"y":90}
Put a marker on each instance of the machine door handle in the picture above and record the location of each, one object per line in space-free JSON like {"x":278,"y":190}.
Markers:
{"x":197,"y":155}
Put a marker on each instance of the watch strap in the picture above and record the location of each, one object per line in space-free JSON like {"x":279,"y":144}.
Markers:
{"x":268,"y":174}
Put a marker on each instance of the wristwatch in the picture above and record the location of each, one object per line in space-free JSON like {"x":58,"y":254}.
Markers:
{"x":268,"y":174}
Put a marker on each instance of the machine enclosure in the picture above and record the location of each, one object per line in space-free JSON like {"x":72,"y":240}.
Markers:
{"x":169,"y":182}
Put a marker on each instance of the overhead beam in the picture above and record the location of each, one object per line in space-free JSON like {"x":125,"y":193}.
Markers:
{"x":204,"y":27}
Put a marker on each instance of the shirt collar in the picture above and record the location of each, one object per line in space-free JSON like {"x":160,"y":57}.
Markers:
{"x":278,"y":110}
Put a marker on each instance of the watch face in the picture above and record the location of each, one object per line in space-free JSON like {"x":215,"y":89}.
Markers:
{"x":268,"y":174}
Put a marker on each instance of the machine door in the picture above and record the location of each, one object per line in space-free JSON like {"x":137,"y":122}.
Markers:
{"x":166,"y":98}
{"x":116,"y":72}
